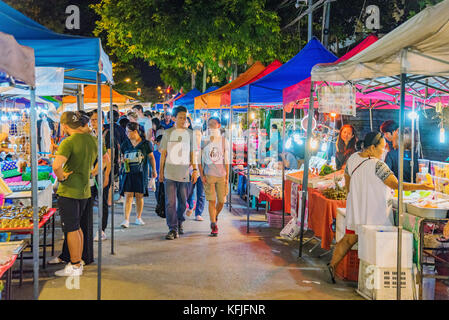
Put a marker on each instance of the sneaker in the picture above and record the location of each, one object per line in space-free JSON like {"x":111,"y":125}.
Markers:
{"x":199,"y":218}
{"x":214,"y":231}
{"x":70,"y":271}
{"x":103,"y":236}
{"x":125,"y":224}
{"x":139,"y":222}
{"x":180,"y":229}
{"x":189,"y":213}
{"x":171,"y":235}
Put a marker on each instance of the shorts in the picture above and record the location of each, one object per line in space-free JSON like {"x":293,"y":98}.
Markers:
{"x":216,"y":188}
{"x":349,"y":231}
{"x":71,"y":211}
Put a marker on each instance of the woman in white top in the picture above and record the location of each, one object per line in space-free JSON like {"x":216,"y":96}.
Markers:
{"x":369,"y":182}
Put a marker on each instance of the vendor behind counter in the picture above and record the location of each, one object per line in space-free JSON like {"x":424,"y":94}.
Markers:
{"x":392,"y":158}
{"x":345,"y":145}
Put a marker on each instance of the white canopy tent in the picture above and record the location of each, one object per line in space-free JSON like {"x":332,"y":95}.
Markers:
{"x":411,"y":59}
{"x":16,"y":60}
{"x":419,"y":46}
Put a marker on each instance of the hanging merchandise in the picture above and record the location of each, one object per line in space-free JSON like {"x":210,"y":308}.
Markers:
{"x":337,"y":99}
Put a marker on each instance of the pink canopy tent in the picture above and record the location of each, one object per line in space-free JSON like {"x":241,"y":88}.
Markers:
{"x":170,"y":102}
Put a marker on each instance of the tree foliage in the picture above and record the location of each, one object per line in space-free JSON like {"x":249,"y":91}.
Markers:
{"x":181,"y":36}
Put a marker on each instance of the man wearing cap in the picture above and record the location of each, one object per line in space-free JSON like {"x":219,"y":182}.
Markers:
{"x":72,"y":166}
{"x":167,"y":122}
{"x":214,"y":170}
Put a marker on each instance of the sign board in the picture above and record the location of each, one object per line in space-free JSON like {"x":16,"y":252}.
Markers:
{"x":337,"y":99}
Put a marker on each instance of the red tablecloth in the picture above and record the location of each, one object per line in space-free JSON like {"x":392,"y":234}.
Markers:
{"x":5,"y":267}
{"x":43,"y":221}
{"x":275,"y":203}
{"x":321,"y":213}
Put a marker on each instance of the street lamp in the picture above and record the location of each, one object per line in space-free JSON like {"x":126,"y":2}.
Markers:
{"x":128,"y":80}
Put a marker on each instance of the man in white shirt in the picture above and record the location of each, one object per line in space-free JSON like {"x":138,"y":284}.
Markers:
{"x":144,"y":121}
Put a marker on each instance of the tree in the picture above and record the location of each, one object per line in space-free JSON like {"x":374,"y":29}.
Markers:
{"x":186,"y":35}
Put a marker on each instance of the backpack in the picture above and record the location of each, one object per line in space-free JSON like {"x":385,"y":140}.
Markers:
{"x":160,"y":207}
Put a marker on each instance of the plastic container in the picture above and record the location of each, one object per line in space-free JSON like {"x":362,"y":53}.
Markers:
{"x":428,"y":284}
{"x":378,"y":246}
{"x":377,"y":283}
{"x":348,"y":268}
{"x":432,"y":213}
{"x":423,"y":166}
{"x":275,"y":219}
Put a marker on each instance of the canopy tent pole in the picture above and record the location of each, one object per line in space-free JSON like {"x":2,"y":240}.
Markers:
{"x":231,"y":154}
{"x":413,"y":143}
{"x":401,"y":186}
{"x":283,"y":167}
{"x":34,"y":193}
{"x":371,"y":116}
{"x":80,"y":97}
{"x":248,"y":181}
{"x":100,"y":181}
{"x":111,"y":179}
{"x":305,"y":180}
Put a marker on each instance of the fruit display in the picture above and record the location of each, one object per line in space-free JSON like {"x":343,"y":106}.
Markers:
{"x":326,"y":169}
{"x":336,"y":193}
{"x":18,"y":217}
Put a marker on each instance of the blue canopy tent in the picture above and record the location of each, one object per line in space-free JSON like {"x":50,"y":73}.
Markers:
{"x":84,"y":62}
{"x":267,"y":91}
{"x":188,"y":100}
{"x":81,"y":57}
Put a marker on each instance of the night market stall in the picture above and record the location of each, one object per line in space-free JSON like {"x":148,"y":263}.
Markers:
{"x":413,"y":58}
{"x":90,"y":65}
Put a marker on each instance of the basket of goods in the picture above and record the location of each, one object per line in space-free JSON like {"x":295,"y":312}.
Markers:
{"x":326,"y":169}
{"x":337,"y":193}
{"x":19,"y":217}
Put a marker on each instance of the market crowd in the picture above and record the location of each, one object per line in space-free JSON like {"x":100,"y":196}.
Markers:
{"x":153,"y":152}
{"x":180,"y":160}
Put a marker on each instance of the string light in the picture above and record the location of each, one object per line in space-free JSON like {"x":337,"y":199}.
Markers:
{"x":413,"y":115}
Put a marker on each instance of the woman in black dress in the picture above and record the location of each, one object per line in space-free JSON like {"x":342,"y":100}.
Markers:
{"x":136,"y":152}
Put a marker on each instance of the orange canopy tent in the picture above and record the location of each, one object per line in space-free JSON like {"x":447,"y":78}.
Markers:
{"x":90,"y":97}
{"x":212,"y":100}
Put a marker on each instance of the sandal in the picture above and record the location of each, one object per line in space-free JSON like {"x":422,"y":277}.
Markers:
{"x":331,"y":272}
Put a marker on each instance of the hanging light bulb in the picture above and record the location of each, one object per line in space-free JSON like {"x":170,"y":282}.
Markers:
{"x":227,"y":116}
{"x":253,"y":115}
{"x":14,"y":117}
{"x":324,"y":147}
{"x":288,"y":143}
{"x":442,"y":135}
{"x":333,"y":114}
{"x":413,"y":115}
{"x":215,"y":114}
{"x":313,"y":144}
{"x":297,"y":138}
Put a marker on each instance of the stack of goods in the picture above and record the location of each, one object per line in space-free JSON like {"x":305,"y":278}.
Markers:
{"x":438,"y":176}
{"x":264,"y":172}
{"x":274,"y":192}
{"x":18,"y":217}
{"x":337,"y":193}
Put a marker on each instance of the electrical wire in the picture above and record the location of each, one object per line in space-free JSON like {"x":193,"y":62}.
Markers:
{"x":355,"y":28}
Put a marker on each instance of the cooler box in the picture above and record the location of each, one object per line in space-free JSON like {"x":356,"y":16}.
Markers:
{"x":378,"y":246}
{"x":377,"y":283}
